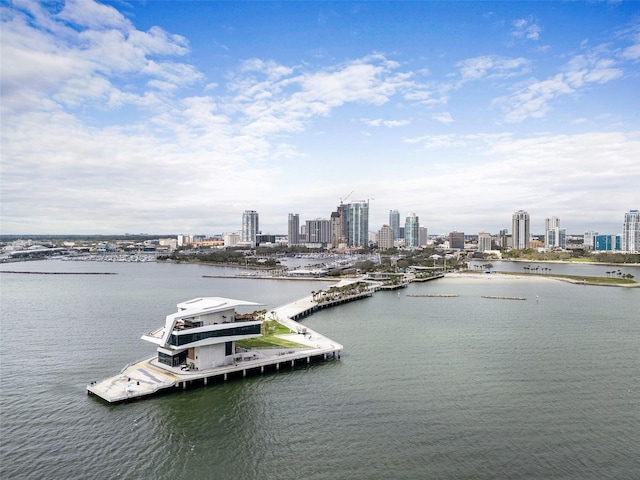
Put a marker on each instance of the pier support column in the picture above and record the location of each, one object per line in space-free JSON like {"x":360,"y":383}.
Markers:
{"x":244,"y":373}
{"x":205,"y":381}
{"x":184,"y":385}
{"x":277,"y":366}
{"x":262,"y":369}
{"x":308,"y":360}
{"x":293,"y":363}
{"x":225,"y":377}
{"x":324,"y":356}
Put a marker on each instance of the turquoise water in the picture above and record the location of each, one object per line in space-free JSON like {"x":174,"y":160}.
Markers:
{"x":462,"y":387}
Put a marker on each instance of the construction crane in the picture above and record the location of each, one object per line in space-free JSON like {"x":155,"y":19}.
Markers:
{"x":342,"y":200}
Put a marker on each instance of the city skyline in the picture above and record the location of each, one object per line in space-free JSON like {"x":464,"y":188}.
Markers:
{"x":174,"y":117}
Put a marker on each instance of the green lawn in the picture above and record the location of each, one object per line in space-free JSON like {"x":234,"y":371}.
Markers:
{"x":268,"y":338}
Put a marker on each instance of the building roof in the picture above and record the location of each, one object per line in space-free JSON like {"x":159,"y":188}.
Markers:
{"x":205,"y":305}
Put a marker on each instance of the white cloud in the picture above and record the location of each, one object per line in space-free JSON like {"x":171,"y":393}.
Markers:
{"x":534,"y":100}
{"x":379,"y":122}
{"x":492,"y":67}
{"x":444,"y":117}
{"x":526,"y":28}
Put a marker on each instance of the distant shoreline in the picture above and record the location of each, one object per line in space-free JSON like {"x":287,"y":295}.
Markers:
{"x":519,"y":276}
{"x":567,"y":262}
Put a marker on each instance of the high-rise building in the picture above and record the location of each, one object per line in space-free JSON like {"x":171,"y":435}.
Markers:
{"x":484,"y":241}
{"x":551,"y":223}
{"x":250,"y":227}
{"x":318,"y":231}
{"x":456,"y":240}
{"x":423,"y":236}
{"x":503,"y":236}
{"x":411,"y":231}
{"x":394,"y":222}
{"x":358,"y":224}
{"x":339,"y":226}
{"x":554,"y":236}
{"x":293,"y":229}
{"x":630,"y":241}
{"x":385,"y":238}
{"x":521,"y":232}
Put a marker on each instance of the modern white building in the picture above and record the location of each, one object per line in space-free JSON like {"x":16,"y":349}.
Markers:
{"x":202,"y":333}
{"x":521,"y":230}
{"x":630,"y":241}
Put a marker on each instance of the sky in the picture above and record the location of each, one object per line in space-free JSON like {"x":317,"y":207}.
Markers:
{"x":175,"y":117}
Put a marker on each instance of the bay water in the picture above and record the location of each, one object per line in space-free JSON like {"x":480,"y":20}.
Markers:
{"x":460,"y":387}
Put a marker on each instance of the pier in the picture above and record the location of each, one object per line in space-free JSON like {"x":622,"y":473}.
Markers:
{"x":149,"y":377}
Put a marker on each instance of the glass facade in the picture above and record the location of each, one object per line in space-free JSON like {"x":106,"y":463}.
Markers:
{"x":187,"y":338}
{"x":172,"y":361}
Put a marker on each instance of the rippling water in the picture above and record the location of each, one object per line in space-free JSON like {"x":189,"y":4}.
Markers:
{"x":462,"y":387}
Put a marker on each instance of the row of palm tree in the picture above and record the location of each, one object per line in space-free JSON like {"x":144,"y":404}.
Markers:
{"x":338,"y":293}
{"x":537,"y":269}
{"x":618,"y":274}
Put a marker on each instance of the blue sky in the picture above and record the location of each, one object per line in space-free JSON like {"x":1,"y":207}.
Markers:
{"x":175,"y":117}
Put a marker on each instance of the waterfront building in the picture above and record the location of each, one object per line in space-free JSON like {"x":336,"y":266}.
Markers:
{"x":587,"y":239}
{"x":521,"y":230}
{"x":606,"y":243}
{"x":202,"y":333}
{"x":394,"y":222}
{"x":631,"y":232}
{"x":318,"y":231}
{"x":250,"y":227}
{"x":293,"y":229}
{"x":484,"y":242}
{"x":456,"y":240}
{"x":385,"y":238}
{"x":358,"y":224}
{"x":411,"y":231}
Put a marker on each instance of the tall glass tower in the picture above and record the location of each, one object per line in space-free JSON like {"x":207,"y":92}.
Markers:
{"x":358,"y":224}
{"x":394,"y":223}
{"x":412,"y":231}
{"x":249,"y":226}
